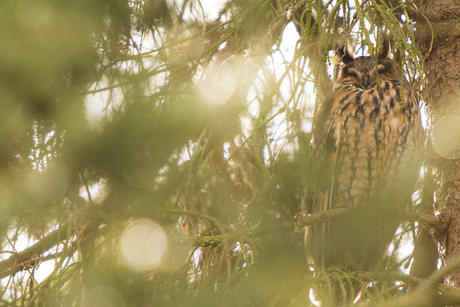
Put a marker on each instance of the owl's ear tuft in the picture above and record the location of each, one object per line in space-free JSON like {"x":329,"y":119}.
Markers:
{"x":384,"y":47}
{"x":345,"y":53}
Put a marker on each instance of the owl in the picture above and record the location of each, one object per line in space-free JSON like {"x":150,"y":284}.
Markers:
{"x":367,"y":148}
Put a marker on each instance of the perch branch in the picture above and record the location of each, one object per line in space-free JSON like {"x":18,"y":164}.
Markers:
{"x":333,"y":214}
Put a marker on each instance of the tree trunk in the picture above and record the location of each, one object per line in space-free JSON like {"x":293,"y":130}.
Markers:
{"x":442,"y":67}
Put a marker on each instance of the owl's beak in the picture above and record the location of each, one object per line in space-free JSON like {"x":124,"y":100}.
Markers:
{"x":366,"y":81}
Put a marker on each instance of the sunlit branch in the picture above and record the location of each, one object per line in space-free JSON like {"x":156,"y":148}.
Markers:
{"x":32,"y":255}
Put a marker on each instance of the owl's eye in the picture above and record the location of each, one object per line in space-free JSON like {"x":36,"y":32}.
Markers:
{"x":352,"y":72}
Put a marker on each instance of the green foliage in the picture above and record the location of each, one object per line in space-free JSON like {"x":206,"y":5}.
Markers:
{"x":115,"y":111}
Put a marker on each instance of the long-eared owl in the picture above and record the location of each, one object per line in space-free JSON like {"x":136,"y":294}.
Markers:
{"x":367,"y":150}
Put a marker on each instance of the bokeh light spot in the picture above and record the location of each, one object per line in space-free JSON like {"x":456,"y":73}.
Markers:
{"x":218,"y":85}
{"x":177,"y":254}
{"x":138,"y":174}
{"x":102,"y":296}
{"x":143,"y":244}
{"x":51,"y":31}
{"x":49,"y":186}
{"x":446,"y":136}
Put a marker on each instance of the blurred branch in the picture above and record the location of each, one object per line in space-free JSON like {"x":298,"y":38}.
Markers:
{"x":203,"y":241}
{"x":428,"y":219}
{"x":333,"y":214}
{"x":322,"y":217}
{"x":427,"y":292}
{"x":32,"y":255}
{"x":52,"y":276}
{"x":33,"y":261}
{"x":430,"y":292}
{"x":222,"y":228}
{"x":425,"y":254}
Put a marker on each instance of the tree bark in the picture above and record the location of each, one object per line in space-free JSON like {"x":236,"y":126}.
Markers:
{"x":442,"y":75}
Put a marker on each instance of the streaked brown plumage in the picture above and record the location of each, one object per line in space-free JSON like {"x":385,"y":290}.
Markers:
{"x":367,"y":148}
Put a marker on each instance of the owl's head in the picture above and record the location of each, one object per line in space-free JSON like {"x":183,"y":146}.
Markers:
{"x":362,"y":71}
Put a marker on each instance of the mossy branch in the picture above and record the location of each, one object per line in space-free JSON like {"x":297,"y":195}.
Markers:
{"x":32,"y":255}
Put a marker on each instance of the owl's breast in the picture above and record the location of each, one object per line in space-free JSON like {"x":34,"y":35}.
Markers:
{"x":377,"y":136}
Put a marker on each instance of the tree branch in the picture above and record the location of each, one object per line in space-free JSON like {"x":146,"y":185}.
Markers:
{"x":427,"y":292}
{"x":412,"y":216}
{"x":333,"y":214}
{"x":32,"y":255}
{"x":322,"y":217}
